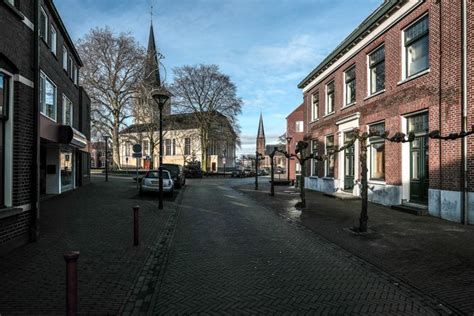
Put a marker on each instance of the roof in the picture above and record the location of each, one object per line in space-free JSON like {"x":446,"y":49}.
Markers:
{"x":269,"y":148}
{"x":170,"y":123}
{"x":152,"y":66}
{"x":261,"y":131}
{"x":63,"y":30}
{"x":298,"y":109}
{"x":359,"y":33}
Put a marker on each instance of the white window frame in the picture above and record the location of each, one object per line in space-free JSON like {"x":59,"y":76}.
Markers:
{"x":71,"y":110}
{"x":326,"y":162}
{"x":300,"y":124}
{"x":54,"y":39}
{"x":65,"y":58}
{"x":369,"y":76}
{"x":46,"y":24}
{"x":344,"y":102}
{"x":75,"y":74}
{"x":327,"y":98}
{"x":44,"y":77}
{"x":369,"y":156}
{"x":314,"y":114}
{"x":314,"y":173}
{"x":405,"y":76}
{"x":185,"y":145}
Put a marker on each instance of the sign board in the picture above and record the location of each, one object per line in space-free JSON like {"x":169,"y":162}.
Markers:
{"x":137,"y":148}
{"x":137,"y":155}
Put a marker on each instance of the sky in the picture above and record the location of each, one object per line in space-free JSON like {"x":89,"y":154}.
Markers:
{"x":266,"y":46}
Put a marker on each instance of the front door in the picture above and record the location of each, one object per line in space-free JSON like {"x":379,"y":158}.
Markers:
{"x":348,"y":163}
{"x":419,"y":170}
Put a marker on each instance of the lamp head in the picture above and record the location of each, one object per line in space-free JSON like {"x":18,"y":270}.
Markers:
{"x":161,"y":96}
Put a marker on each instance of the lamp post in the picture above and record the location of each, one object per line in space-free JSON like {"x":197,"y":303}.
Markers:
{"x":288,"y":141}
{"x":257,"y":156}
{"x":161,"y":96}
{"x":224,"y":154}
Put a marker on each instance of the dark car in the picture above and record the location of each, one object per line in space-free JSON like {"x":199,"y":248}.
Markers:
{"x":177,"y":174}
{"x":193,"y":171}
{"x":237,"y":174}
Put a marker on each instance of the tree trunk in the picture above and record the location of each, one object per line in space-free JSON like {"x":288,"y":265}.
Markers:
{"x":364,"y":190}
{"x":115,"y":143}
{"x":272,"y":183}
{"x":204,"y":147}
{"x":302,"y":192}
{"x":152,"y":153}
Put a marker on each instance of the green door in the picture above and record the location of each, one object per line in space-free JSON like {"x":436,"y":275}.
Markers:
{"x":348,"y":163}
{"x":419,"y":170}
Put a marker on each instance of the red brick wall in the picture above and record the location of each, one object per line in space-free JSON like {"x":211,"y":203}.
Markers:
{"x":470,"y":88}
{"x":440,"y":93}
{"x":297,"y":115}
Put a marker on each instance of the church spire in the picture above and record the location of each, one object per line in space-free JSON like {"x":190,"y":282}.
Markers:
{"x":261,"y":137}
{"x":152,"y":66}
{"x":261,"y":132}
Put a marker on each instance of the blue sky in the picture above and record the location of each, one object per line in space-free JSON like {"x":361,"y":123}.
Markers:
{"x":267,"y":47}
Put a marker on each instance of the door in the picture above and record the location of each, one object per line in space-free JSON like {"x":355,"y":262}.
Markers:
{"x":419,"y":170}
{"x":348,"y":163}
{"x":67,"y":170}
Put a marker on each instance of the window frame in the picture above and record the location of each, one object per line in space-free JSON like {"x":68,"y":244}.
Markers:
{"x":43,"y":79}
{"x":4,"y":113}
{"x":67,"y":101}
{"x":314,"y":100}
{"x":406,"y":44}
{"x":314,"y":162}
{"x":53,"y":43}
{"x":167,"y":147}
{"x":333,"y":94}
{"x":65,"y":58}
{"x":299,"y":123}
{"x":348,"y":81}
{"x":372,"y":66}
{"x":327,"y":162}
{"x":187,"y":146}
{"x":44,"y":25}
{"x":376,"y":141}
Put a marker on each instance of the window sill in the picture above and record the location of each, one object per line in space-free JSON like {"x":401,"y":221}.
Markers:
{"x":376,"y":182}
{"x":424,"y":72}
{"x":348,"y":105}
{"x":10,"y":212}
{"x":374,"y":94}
{"x":327,"y":178}
{"x":15,"y":10}
{"x":329,"y":114}
{"x":314,"y":121}
{"x":49,"y":118}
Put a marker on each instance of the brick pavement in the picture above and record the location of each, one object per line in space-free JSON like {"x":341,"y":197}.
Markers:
{"x":433,"y":255}
{"x":97,"y":221}
{"x":231,"y":256}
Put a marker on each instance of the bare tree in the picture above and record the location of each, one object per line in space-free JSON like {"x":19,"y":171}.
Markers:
{"x":112,"y":65}
{"x":207,"y":93}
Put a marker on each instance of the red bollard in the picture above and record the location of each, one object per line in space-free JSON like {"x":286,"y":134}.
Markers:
{"x":71,"y":282}
{"x":135,"y":225}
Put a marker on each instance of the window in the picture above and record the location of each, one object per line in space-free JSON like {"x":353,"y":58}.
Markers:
{"x":331,"y":159}
{"x":67,"y":111}
{"x":69,"y":66}
{"x":145,"y":147}
{"x":53,"y":40}
{"x":65,"y":58}
{"x":314,"y":106}
{"x":330,"y":98}
{"x":350,"y":86}
{"x":377,"y":153}
{"x":314,"y":151}
{"x":4,"y":102}
{"x":174,"y":147}
{"x":75,"y":74}
{"x":416,"y":47}
{"x":43,"y":30}
{"x":299,"y":126}
{"x":377,"y":70}
{"x":127,"y":149}
{"x":47,"y":97}
{"x":168,"y":147}
{"x":187,"y":146}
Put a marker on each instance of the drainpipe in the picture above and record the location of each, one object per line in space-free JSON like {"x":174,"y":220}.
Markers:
{"x":34,"y":227}
{"x":464,"y":195}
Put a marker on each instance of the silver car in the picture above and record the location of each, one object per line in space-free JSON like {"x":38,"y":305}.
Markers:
{"x":150,"y":182}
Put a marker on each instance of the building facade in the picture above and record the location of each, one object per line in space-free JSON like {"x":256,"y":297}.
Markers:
{"x":406,"y":68}
{"x":295,"y":132}
{"x":44,"y":116}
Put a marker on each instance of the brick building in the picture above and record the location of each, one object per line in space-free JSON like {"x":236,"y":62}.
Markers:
{"x":44,"y":122}
{"x":407,"y":67}
{"x":295,"y":132}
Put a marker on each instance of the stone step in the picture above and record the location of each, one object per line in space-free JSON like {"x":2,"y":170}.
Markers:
{"x":411,"y":208}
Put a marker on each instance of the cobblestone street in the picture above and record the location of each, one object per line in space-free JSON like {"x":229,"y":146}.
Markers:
{"x":230,"y":256}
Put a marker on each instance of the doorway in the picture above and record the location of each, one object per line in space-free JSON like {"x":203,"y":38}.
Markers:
{"x":348,"y":163}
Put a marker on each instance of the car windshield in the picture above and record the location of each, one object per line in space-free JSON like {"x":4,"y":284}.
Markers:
{"x":174,"y":169}
{"x":154,"y":174}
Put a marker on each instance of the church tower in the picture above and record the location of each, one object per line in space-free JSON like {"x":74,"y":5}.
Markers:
{"x":261,"y":137}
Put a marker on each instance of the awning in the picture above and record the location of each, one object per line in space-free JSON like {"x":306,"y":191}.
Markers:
{"x":72,"y":137}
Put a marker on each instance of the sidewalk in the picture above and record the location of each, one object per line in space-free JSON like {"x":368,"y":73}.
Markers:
{"x":97,"y":221}
{"x":434,"y":255}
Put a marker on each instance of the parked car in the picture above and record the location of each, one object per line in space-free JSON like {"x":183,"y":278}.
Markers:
{"x":177,"y":174}
{"x":279,"y":170}
{"x":237,"y":174}
{"x":150,"y":182}
{"x":192,"y":172}
{"x":248,"y":173}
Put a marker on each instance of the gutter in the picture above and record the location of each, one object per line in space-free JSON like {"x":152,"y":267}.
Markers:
{"x":35,"y":207}
{"x":464,"y":177}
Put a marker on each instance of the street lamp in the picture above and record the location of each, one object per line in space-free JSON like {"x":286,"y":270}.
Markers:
{"x":106,"y":140}
{"x":161,"y":96}
{"x":288,"y":140}
{"x":224,"y":154}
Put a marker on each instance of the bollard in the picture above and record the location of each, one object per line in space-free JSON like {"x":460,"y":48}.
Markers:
{"x":71,"y":282}
{"x":135,"y":225}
